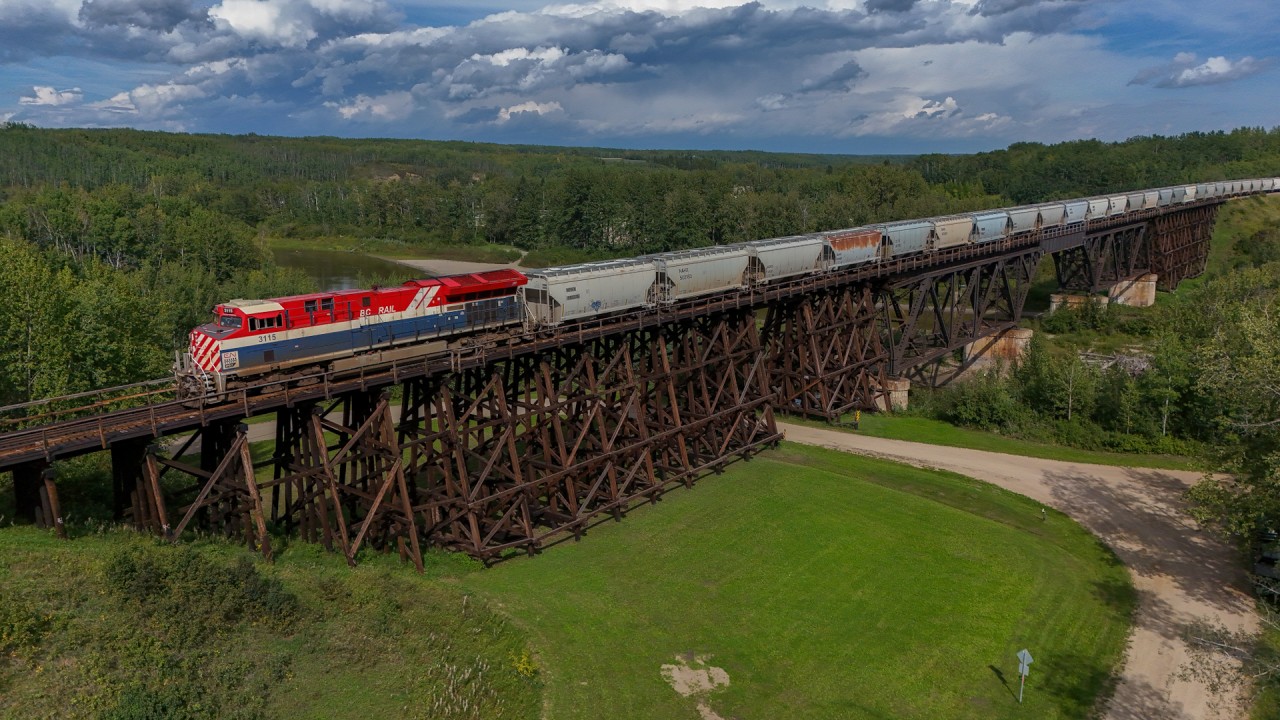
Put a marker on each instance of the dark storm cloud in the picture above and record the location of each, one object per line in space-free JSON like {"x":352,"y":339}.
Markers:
{"x":839,"y":81}
{"x":160,"y":15}
{"x":896,"y":6}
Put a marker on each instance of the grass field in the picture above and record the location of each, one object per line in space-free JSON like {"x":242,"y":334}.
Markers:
{"x":825,"y":586}
{"x":116,"y":625}
{"x":937,"y":432}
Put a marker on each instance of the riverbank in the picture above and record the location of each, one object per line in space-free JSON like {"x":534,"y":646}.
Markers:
{"x":443,"y":266}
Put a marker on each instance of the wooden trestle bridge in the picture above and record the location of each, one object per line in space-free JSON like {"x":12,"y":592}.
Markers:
{"x":519,"y":440}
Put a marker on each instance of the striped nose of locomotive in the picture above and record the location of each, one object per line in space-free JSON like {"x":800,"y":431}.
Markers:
{"x":206,"y":352}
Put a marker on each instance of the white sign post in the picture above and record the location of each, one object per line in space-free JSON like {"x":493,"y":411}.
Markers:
{"x":1024,"y":667}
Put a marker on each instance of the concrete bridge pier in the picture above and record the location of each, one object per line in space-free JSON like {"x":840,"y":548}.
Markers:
{"x":1139,"y":291}
{"x":893,"y":394}
{"x":1005,"y":348}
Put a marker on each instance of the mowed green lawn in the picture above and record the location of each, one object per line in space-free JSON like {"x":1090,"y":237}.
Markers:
{"x":826,"y":586}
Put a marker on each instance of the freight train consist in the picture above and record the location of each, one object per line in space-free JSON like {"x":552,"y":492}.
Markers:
{"x":252,"y":341}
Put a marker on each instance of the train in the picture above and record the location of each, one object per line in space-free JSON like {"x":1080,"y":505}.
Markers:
{"x":259,"y":341}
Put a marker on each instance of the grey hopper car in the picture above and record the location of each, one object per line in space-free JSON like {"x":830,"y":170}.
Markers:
{"x":952,"y":231}
{"x":1076,"y":211}
{"x":902,"y":238}
{"x":1117,"y":205}
{"x":988,"y":226}
{"x":557,"y":295}
{"x":1097,"y":208}
{"x":784,"y":257}
{"x":690,"y":273}
{"x":1166,"y":196}
{"x":851,"y":247}
{"x":1137,"y":201}
{"x":1151,"y":199}
{"x":1024,"y":219}
{"x":1052,"y":214}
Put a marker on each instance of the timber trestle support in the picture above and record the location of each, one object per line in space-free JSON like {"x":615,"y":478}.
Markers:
{"x":504,"y":457}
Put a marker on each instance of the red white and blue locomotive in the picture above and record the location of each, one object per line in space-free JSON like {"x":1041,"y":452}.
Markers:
{"x":260,"y":339}
{"x":256,"y":341}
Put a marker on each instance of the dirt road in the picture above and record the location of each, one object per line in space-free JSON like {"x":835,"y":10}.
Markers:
{"x":1181,"y":574}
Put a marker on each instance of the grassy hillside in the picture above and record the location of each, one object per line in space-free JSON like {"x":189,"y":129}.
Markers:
{"x":823,"y":585}
{"x":117,"y":625}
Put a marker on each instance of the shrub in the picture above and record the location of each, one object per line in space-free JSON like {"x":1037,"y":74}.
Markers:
{"x":987,"y":402}
{"x":189,"y":596}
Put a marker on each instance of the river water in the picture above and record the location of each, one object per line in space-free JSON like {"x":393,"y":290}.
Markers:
{"x":339,"y":270}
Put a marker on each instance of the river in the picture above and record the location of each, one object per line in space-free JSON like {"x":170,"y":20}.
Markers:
{"x":340,"y":270}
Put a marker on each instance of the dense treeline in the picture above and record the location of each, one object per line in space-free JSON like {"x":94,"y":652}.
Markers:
{"x":1031,"y":172}
{"x":603,"y":201}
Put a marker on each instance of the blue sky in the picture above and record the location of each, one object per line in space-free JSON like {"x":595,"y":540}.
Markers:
{"x":846,"y":76}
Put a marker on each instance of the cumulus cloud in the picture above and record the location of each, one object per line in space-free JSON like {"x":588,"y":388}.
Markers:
{"x":1187,"y":71}
{"x":529,"y":107}
{"x":45,"y":95}
{"x":391,"y":106}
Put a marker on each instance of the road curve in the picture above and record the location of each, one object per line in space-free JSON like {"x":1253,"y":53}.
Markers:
{"x":1180,"y":572}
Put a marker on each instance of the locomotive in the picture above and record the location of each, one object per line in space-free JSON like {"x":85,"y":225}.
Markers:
{"x":256,"y":341}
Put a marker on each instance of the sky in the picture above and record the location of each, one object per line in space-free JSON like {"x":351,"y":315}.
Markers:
{"x":826,"y":76}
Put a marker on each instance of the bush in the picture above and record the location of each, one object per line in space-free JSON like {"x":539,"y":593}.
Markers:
{"x":22,"y":627}
{"x":1088,"y":316}
{"x":189,"y":596}
{"x":988,"y":402}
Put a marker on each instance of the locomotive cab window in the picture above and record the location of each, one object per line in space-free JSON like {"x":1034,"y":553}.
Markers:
{"x":309,"y":306}
{"x":366,"y":301}
{"x":253,"y":324}
{"x":229,"y":321}
{"x":326,"y":304}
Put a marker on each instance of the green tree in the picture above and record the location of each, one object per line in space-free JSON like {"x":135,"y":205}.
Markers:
{"x":1242,"y":371}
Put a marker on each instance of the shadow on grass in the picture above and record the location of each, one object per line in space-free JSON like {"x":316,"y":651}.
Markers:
{"x":1003,"y":681}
